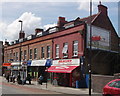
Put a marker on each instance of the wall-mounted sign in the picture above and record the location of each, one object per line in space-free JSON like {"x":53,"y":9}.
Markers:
{"x":68,"y":62}
{"x":100,"y":38}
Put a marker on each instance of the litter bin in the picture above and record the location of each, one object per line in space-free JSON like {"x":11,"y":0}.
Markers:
{"x":77,"y":84}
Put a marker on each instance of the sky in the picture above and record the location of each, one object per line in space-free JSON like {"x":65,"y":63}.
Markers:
{"x":44,"y":14}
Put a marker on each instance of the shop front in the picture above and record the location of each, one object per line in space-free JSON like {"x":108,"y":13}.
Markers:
{"x":65,"y":72}
{"x":6,"y":68}
{"x":38,"y":67}
{"x":16,"y":68}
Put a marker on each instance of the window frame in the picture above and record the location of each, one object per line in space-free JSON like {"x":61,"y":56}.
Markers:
{"x":75,"y":52}
{"x":57,"y":49}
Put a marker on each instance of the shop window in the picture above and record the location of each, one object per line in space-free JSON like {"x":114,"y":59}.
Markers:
{"x":30,"y":53}
{"x":57,"y":51}
{"x":48,"y":51}
{"x":65,"y":50}
{"x":42,"y":52}
{"x":35,"y":53}
{"x":25,"y":54}
{"x":75,"y":48}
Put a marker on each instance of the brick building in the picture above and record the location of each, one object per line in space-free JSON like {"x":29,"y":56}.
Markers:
{"x":67,"y":44}
{"x":1,"y":56}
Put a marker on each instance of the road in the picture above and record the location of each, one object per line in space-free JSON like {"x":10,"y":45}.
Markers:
{"x":10,"y":89}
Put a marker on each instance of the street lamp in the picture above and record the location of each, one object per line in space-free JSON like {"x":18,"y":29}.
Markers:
{"x":20,"y":44}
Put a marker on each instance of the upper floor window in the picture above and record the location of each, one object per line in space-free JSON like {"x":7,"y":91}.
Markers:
{"x":57,"y":51}
{"x":75,"y":48}
{"x":42,"y":52}
{"x":25,"y":54}
{"x":65,"y":50}
{"x":48,"y":51}
{"x":35,"y":53}
{"x":30,"y":53}
{"x":16,"y":56}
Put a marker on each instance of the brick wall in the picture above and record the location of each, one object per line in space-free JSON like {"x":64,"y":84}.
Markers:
{"x":99,"y":81}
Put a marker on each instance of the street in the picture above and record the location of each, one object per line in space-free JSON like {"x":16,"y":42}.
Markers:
{"x":13,"y":89}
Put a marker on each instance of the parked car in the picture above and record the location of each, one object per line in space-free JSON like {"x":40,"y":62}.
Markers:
{"x":112,"y":88}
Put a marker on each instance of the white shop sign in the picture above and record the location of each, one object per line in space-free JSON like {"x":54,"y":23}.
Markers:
{"x":38,"y":62}
{"x":68,"y":62}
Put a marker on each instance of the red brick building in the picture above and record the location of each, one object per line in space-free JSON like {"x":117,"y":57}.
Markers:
{"x":67,"y":44}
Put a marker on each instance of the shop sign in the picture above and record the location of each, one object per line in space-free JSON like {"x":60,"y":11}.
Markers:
{"x":100,"y":38}
{"x":38,"y":62}
{"x":70,"y":62}
{"x":16,"y":63}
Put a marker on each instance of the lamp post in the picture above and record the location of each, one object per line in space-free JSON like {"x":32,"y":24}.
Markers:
{"x":20,"y":43}
{"x":90,"y":50}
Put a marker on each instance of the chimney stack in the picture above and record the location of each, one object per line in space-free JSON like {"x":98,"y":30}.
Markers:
{"x":102,"y":9}
{"x":21,"y":35}
{"x":37,"y":30}
{"x":61,"y":21}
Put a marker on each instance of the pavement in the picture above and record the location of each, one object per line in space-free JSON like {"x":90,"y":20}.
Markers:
{"x":60,"y":89}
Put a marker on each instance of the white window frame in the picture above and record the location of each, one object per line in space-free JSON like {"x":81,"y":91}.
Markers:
{"x":30,"y":54}
{"x":57,"y":51}
{"x":65,"y":50}
{"x":35,"y":53}
{"x":75,"y":44}
{"x":48,"y":51}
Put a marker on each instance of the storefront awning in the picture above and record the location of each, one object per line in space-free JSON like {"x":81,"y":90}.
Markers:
{"x":6,"y":64}
{"x":61,"y":69}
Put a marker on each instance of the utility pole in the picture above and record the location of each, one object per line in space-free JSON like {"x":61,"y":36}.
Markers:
{"x":90,"y":50}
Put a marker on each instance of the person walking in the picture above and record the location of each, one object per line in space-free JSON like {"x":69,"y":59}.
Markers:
{"x":8,"y":77}
{"x":40,"y":79}
{"x":29,"y":78}
{"x":19,"y":79}
{"x":13,"y":77}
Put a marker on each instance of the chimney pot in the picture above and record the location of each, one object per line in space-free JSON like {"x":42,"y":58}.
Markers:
{"x":102,"y":9}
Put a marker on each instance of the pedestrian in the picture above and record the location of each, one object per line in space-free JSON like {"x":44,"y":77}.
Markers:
{"x":13,"y":77}
{"x":40,"y":79}
{"x":29,"y":78}
{"x":8,"y":77}
{"x":19,"y":79}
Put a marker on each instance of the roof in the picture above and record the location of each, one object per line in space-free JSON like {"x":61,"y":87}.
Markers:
{"x":87,"y":19}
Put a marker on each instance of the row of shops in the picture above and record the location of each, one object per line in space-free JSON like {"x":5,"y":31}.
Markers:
{"x":63,"y":72}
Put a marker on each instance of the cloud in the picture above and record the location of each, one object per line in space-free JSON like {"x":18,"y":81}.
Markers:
{"x":48,"y":25}
{"x":11,"y":31}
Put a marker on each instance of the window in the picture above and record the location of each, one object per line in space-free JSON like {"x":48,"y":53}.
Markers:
{"x":10,"y":55}
{"x":115,"y":84}
{"x":30,"y":53}
{"x":21,"y":55}
{"x":75,"y":48}
{"x":35,"y":53}
{"x":57,"y":51}
{"x":25,"y":54}
{"x":42,"y":52}
{"x":48,"y":51}
{"x":65,"y":50}
{"x":16,"y":56}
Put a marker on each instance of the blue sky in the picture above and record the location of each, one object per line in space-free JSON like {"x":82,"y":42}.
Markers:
{"x":45,"y":14}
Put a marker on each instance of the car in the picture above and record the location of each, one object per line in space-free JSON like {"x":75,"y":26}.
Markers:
{"x":112,"y":88}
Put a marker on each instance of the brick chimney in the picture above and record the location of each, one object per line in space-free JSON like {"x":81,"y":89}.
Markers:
{"x":37,"y":30}
{"x":61,"y":21}
{"x":21,"y":35}
{"x":102,"y":9}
